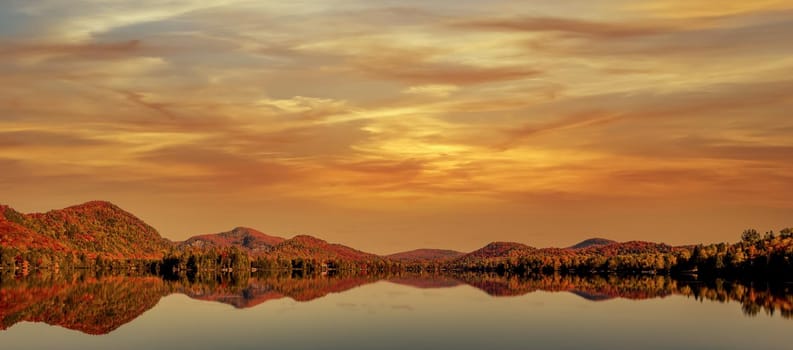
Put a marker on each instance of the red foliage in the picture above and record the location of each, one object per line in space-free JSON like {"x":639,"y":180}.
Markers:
{"x":419,"y":255}
{"x":92,"y":228}
{"x":252,"y":241}
{"x":500,"y":250}
{"x":308,"y":247}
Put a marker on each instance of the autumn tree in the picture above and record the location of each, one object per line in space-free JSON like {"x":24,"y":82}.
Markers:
{"x":750,"y":236}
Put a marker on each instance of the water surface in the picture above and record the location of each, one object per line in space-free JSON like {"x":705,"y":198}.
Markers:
{"x":468,"y":311}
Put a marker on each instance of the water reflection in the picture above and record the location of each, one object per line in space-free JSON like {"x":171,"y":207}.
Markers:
{"x":98,"y":304}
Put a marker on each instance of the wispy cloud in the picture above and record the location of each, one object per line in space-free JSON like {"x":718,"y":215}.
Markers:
{"x":371,"y":118}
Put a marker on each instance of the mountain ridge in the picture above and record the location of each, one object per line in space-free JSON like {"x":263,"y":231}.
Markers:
{"x":424,"y":254}
{"x":251,"y":240}
{"x":590,"y":242}
{"x":102,"y":228}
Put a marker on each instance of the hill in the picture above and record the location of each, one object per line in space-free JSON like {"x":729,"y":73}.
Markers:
{"x":308,"y":247}
{"x":14,"y":235}
{"x":500,"y":250}
{"x":592,"y":242}
{"x":628,"y":248}
{"x":425,"y":255}
{"x":92,"y":228}
{"x":250,"y":240}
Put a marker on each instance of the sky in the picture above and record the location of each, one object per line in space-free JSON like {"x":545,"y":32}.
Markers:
{"x":393,"y":125}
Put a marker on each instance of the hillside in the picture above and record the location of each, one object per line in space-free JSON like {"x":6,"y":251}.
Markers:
{"x":91,"y":228}
{"x":592,"y":242}
{"x":102,"y":234}
{"x":250,"y":240}
{"x":628,"y":248}
{"x":308,"y":247}
{"x":14,"y":235}
{"x":499,"y":250}
{"x":425,"y":255}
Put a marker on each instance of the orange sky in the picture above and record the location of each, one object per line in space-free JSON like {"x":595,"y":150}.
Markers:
{"x":393,"y":125}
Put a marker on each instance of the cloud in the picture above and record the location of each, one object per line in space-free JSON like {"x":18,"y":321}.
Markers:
{"x":732,"y":35}
{"x":92,"y":51}
{"x":578,"y":120}
{"x":432,"y":90}
{"x":40,"y":138}
{"x":567,"y":26}
{"x":705,"y":8}
{"x":306,"y":107}
{"x":484,"y":109}
{"x":414,"y":70}
{"x":225,"y":169}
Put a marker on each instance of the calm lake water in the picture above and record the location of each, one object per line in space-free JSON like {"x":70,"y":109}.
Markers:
{"x":468,"y":311}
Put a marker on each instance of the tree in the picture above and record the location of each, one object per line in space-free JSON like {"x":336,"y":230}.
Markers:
{"x":2,"y":258}
{"x":750,"y":236}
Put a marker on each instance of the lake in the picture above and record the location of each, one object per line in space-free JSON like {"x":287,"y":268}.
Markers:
{"x":403,"y":311}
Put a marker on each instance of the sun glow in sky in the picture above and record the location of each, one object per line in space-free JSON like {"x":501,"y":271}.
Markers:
{"x":391,"y":125}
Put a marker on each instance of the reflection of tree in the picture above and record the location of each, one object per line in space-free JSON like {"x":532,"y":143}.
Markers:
{"x":87,"y":303}
{"x":267,"y":285}
{"x":98,"y":304}
{"x":769,"y":297}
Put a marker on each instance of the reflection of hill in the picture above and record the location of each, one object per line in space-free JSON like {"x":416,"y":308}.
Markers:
{"x":259,"y":289}
{"x":592,"y":296}
{"x":240,"y":297}
{"x":755,"y":298}
{"x":589,"y":287}
{"x":100,"y":304}
{"x":426,"y":281}
{"x":88,"y":304}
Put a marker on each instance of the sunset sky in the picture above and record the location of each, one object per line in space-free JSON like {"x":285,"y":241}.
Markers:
{"x":392,"y":125}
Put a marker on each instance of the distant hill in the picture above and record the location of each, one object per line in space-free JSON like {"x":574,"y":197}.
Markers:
{"x":308,"y":247}
{"x":82,"y":234}
{"x":425,"y":255}
{"x":627,"y":248}
{"x":252,"y":241}
{"x":499,"y":250}
{"x":100,"y":227}
{"x":592,"y":242}
{"x":91,"y":228}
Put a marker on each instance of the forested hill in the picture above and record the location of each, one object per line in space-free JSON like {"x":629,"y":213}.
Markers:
{"x":425,"y":255}
{"x":89,"y":229}
{"x":102,"y":234}
{"x":592,"y":242}
{"x":250,"y":240}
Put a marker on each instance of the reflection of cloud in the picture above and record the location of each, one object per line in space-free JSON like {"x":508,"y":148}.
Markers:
{"x":404,"y":307}
{"x":348,"y":306}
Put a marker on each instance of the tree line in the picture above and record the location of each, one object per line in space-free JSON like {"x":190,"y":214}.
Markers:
{"x":768,"y":255}
{"x":755,"y":255}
